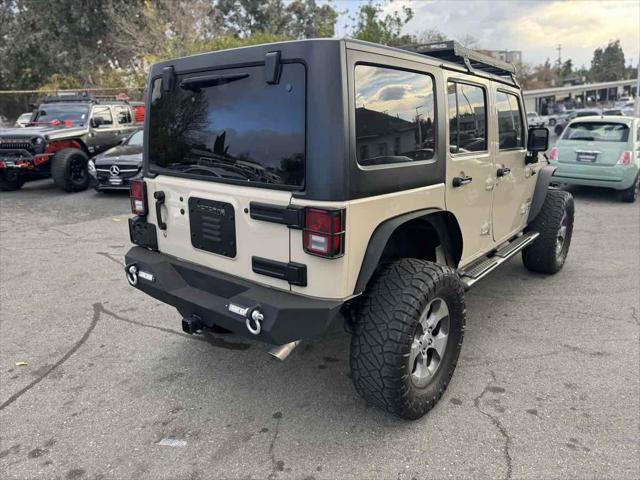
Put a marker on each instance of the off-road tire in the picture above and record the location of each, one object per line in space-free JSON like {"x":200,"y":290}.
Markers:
{"x":630,"y":195}
{"x":386,"y":322}
{"x":544,"y":255}
{"x":10,"y":181}
{"x":69,"y":170}
{"x":558,"y":129}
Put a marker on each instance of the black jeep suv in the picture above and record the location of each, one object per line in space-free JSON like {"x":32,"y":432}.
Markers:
{"x":61,"y":136}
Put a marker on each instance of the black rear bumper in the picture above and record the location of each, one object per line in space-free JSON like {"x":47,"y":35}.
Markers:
{"x":219,"y":299}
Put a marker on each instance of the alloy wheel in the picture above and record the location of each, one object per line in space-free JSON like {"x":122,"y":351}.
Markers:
{"x":429,"y":342}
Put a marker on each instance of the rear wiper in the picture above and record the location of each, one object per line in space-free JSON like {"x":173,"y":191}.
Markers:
{"x":208,"y":156}
{"x":196,"y":83}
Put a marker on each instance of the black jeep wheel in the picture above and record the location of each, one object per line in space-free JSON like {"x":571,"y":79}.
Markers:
{"x":69,"y":170}
{"x":10,"y":180}
{"x":407,"y":336}
{"x":555,"y":225}
{"x":630,"y":195}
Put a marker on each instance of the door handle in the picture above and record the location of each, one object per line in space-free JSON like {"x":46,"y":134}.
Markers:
{"x":159,"y":196}
{"x":459,"y":181}
{"x":503,"y":171}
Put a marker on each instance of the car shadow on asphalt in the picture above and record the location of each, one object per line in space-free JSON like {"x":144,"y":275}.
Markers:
{"x":598,"y":194}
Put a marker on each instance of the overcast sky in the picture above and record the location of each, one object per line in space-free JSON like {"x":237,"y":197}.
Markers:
{"x":535,"y":27}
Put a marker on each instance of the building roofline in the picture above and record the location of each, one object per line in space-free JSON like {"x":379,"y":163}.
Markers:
{"x":573,"y":88}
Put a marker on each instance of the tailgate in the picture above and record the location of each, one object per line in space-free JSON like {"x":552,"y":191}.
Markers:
{"x":220,"y":139}
{"x":591,"y":153}
{"x":209,"y":224}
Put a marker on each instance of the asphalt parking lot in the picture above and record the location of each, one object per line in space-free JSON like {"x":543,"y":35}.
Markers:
{"x":547,"y":385}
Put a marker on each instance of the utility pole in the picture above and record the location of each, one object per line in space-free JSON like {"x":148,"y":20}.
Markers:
{"x":559,"y":48}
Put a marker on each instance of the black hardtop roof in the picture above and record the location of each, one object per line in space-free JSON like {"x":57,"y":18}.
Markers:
{"x":448,"y":54}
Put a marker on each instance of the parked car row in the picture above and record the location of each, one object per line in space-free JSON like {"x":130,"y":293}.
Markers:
{"x":535,"y":120}
{"x":60,"y":137}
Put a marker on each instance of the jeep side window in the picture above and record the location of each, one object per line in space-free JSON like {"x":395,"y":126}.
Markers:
{"x":467,"y":118}
{"x":104,"y":113}
{"x":509,"y":121}
{"x":395,"y":116}
{"x":123,"y":114}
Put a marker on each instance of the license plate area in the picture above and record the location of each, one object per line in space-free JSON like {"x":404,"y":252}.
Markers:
{"x":212,"y":225}
{"x":590,"y":157}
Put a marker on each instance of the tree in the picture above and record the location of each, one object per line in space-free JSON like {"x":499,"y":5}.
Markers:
{"x":608,"y":63}
{"x":567,"y":69}
{"x":469,"y":41}
{"x":244,"y":17}
{"x":71,"y":38}
{"x":298,"y":19}
{"x":371,"y":26}
{"x":106,"y":42}
{"x":431,"y":35}
{"x":308,"y":20}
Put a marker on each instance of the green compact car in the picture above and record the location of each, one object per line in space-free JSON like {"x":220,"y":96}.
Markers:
{"x":600,"y":151}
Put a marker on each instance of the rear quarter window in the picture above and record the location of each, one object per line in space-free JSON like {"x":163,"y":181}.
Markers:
{"x":395,"y":116}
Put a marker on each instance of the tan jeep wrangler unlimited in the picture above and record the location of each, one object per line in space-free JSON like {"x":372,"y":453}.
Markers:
{"x":289,"y":184}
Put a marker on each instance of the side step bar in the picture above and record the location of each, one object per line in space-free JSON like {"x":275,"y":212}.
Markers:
{"x":478,"y":269}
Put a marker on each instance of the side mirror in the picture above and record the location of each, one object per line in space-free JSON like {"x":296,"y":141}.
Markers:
{"x":538,"y":140}
{"x":97,"y":122}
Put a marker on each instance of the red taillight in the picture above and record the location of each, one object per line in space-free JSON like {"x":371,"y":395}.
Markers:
{"x":68,"y":123}
{"x":625,"y":158}
{"x":138,"y":197}
{"x":553,"y":154}
{"x":323,"y":232}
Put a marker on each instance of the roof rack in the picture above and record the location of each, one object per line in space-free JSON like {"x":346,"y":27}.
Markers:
{"x":67,"y":97}
{"x":472,"y":60}
{"x":85,"y":97}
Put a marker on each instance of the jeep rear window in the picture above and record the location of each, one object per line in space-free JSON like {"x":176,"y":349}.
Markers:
{"x":597,"y":132}
{"x":232,"y":127}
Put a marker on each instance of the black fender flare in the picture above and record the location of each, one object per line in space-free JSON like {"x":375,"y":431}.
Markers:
{"x":540,"y":192}
{"x":383,"y":232}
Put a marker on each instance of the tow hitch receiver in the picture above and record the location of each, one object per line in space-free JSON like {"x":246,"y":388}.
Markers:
{"x":191,"y":324}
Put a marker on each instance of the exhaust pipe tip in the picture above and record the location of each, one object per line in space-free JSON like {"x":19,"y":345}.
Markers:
{"x":191,"y":324}
{"x":283,"y":351}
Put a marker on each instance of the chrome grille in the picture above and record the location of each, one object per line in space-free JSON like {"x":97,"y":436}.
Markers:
{"x":104,"y":171}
